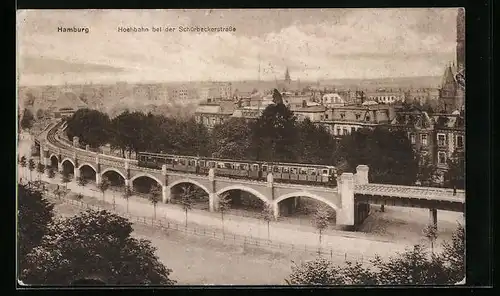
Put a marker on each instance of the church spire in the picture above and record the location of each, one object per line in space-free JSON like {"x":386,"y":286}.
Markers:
{"x":287,"y":76}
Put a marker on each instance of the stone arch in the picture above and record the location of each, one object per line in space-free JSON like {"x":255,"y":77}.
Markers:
{"x":190,"y":181}
{"x":70,"y":160}
{"x":145,"y":175}
{"x":247,"y":189}
{"x":116,"y":171}
{"x":306,"y":194}
{"x":54,"y":155}
{"x":88,"y":164}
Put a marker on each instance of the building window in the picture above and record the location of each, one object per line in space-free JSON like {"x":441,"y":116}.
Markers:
{"x":367,"y":118}
{"x":412,"y":139}
{"x":441,"y":157}
{"x":460,"y":141}
{"x":441,"y":140}
{"x":326,"y":116}
{"x":423,"y":139}
{"x":342,"y":115}
{"x":345,"y":131}
{"x":358,"y":116}
{"x":353,"y":129}
{"x":339,"y":132}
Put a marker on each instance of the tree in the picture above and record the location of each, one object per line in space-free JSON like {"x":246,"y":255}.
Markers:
{"x":274,"y":134}
{"x":90,"y":126}
{"x":268,"y":215}
{"x":315,"y":144}
{"x":224,"y":206}
{"x":95,"y":243}
{"x":35,"y":214}
{"x":23,"y":163}
{"x":412,"y":267}
{"x":59,"y":192}
{"x":65,"y":178}
{"x":231,"y":139}
{"x":40,"y":114}
{"x":27,"y":119}
{"x":126,"y":194}
{"x":455,"y":175}
{"x":321,"y":221}
{"x":430,"y":232}
{"x":31,"y":167}
{"x":389,"y":155}
{"x":454,"y":254}
{"x":50,"y":173}
{"x":79,"y":196}
{"x":427,"y":173}
{"x":187,"y":200}
{"x":82,"y":182}
{"x":40,"y":168}
{"x":103,"y":186}
{"x":316,"y":272}
{"x":154,"y":197}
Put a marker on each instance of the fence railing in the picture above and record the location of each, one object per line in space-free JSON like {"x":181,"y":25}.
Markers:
{"x":241,"y":240}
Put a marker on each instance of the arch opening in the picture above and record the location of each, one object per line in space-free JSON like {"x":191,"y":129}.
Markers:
{"x":243,"y":203}
{"x":303,"y":210}
{"x":54,"y":162}
{"x":197,"y":194}
{"x":68,"y":167}
{"x":142,"y":185}
{"x":88,"y":173}
{"x":115,"y":179}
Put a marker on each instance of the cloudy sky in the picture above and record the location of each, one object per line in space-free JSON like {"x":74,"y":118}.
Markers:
{"x":314,"y":44}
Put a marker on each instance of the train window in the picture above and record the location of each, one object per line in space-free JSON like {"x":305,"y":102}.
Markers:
{"x":325,"y":172}
{"x":182,"y":161}
{"x":264,"y":168}
{"x":211,"y":164}
{"x":243,"y":166}
{"x":293,"y":171}
{"x":303,"y":171}
{"x":168,"y":161}
{"x":255,"y":167}
{"x":201,"y":163}
{"x":276,"y":169}
{"x":191,"y":162}
{"x":285,"y":170}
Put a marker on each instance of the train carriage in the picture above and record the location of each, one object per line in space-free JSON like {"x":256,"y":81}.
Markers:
{"x":282,"y":172}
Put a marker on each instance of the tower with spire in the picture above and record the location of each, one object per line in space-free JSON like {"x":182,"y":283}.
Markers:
{"x":287,"y":76}
{"x":452,"y":91}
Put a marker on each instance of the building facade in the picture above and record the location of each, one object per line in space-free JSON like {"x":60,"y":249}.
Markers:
{"x":344,"y":120}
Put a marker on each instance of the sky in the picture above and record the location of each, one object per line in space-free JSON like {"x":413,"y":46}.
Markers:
{"x":314,"y":44}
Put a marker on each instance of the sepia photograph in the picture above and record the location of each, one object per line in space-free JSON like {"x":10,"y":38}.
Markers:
{"x":283,"y":147}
